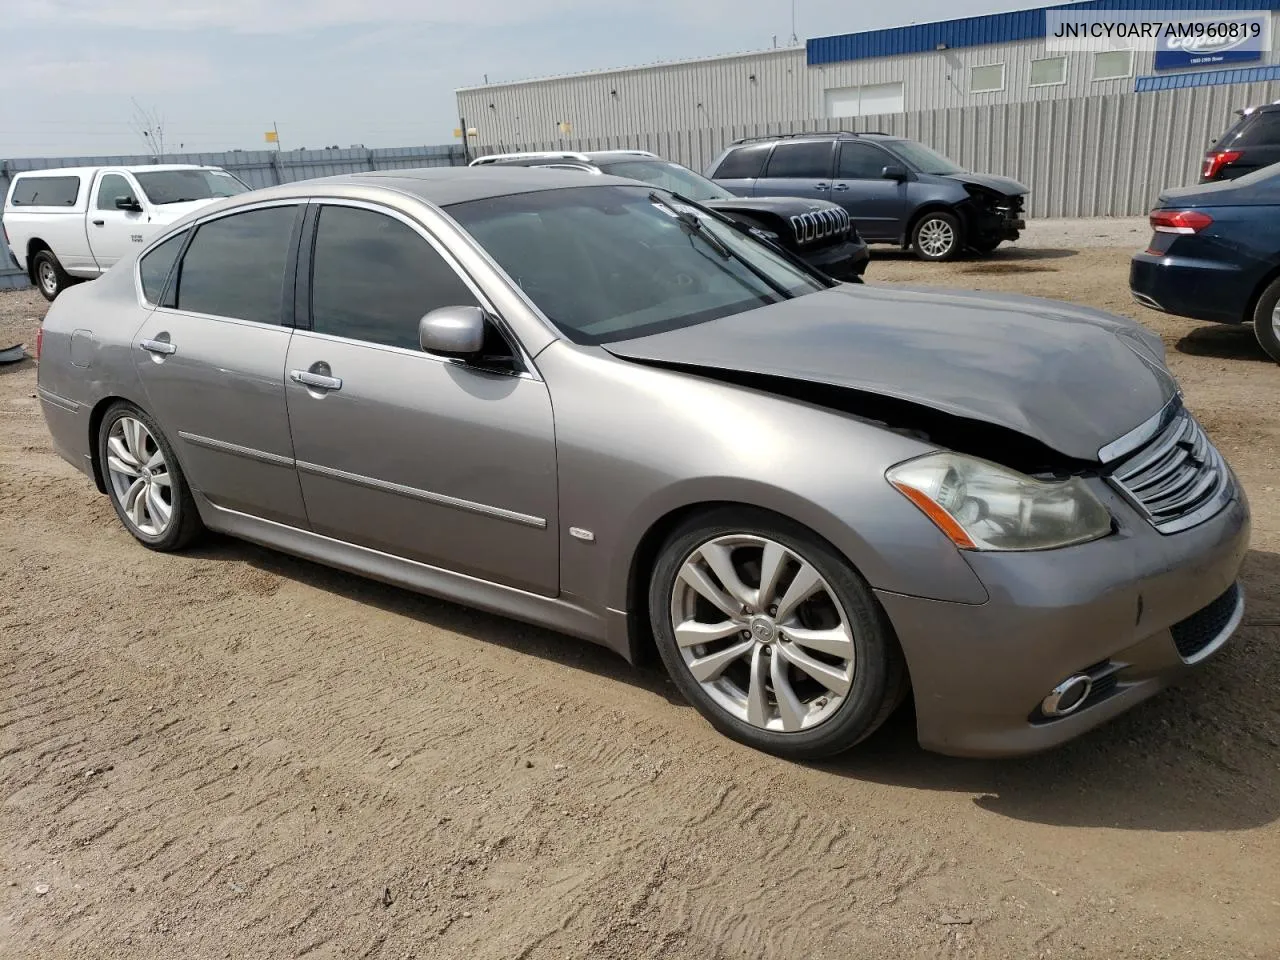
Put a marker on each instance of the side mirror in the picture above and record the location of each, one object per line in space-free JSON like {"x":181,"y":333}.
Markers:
{"x":128,"y":203}
{"x":453,"y":332}
{"x":894,"y":171}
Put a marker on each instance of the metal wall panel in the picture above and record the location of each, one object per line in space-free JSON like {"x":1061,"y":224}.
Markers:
{"x":257,"y":168}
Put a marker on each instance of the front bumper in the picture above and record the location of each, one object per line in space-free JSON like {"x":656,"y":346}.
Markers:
{"x":840,"y":261}
{"x":980,"y":671}
{"x":1211,"y":290}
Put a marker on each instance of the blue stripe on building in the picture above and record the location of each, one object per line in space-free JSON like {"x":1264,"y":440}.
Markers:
{"x":992,"y":28}
{"x":1205,"y":78}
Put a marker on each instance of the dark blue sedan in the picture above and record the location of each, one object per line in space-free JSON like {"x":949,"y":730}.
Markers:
{"x":1215,"y":255}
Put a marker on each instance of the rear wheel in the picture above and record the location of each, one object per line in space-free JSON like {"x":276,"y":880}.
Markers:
{"x":1266,"y":320}
{"x":936,"y":236}
{"x":50,"y":277}
{"x":772,"y":635}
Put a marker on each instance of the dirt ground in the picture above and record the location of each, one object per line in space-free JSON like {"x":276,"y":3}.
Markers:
{"x":231,"y":753}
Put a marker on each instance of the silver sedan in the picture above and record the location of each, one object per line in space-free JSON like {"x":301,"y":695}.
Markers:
{"x":591,"y":405}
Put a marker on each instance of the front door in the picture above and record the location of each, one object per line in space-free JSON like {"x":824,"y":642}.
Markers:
{"x":878,"y":205}
{"x":798,"y":169}
{"x":212,"y":360}
{"x":441,"y":462}
{"x":114,"y":233}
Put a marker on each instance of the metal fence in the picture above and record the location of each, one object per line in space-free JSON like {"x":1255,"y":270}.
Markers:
{"x":1106,"y":156}
{"x":257,"y":168}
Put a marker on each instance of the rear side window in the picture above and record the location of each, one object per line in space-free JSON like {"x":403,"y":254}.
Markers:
{"x":810,"y":160}
{"x":45,"y":192}
{"x":235,"y":266}
{"x":155,"y":266}
{"x":373,"y":279}
{"x":743,"y":163}
{"x":1259,"y":130}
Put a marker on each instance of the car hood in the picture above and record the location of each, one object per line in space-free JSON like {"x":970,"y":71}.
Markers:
{"x":783,"y":206}
{"x":1010,"y":188}
{"x":1071,"y":378}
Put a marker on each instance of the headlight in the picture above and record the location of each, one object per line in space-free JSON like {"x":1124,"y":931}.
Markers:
{"x":984,"y":506}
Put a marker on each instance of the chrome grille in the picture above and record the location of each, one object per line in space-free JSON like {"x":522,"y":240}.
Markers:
{"x":1178,"y":479}
{"x":820,"y":225}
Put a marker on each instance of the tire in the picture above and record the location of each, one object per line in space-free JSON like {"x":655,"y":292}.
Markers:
{"x":50,"y":278}
{"x":985,"y":247}
{"x":815,"y":719}
{"x":128,"y":458}
{"x":936,"y":236}
{"x":1266,"y":320}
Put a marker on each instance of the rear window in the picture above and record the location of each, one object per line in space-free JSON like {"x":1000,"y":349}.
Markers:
{"x":811,"y":159}
{"x":743,"y":163}
{"x":1257,"y":130}
{"x":45,"y":192}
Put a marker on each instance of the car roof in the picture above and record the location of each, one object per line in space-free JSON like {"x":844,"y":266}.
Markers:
{"x":818,"y":135}
{"x":563,"y":156}
{"x":90,"y":171}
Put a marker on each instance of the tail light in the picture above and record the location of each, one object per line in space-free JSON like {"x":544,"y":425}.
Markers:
{"x":1214,"y":162}
{"x":39,"y":340}
{"x":1179,"y":221}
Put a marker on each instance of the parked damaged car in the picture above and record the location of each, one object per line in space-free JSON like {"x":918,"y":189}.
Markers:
{"x":819,"y":232}
{"x":897,"y":190}
{"x":581,"y":402}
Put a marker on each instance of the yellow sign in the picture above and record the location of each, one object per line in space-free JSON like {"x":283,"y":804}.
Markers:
{"x":272,"y":137}
{"x":566,"y":126}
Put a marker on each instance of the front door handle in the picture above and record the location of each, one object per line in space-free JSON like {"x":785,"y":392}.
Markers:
{"x":840,"y":186}
{"x":317,"y":380}
{"x":158,"y":346}
{"x":99,"y":223}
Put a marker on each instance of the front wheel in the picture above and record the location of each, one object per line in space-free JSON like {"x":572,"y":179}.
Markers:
{"x":147,"y":487}
{"x":772,"y":636}
{"x":936,"y":236}
{"x":1266,"y":321}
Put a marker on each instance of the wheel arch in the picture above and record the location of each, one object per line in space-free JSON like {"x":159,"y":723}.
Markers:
{"x":96,"y":416}
{"x":1251,"y":305}
{"x":935,"y":206}
{"x":35,"y":245}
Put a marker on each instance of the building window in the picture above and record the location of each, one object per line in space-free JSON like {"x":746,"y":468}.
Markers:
{"x":868,"y":100}
{"x":1050,"y":72}
{"x":1113,"y":65}
{"x":986,"y":79}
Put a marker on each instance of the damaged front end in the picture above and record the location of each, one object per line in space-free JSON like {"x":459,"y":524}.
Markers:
{"x":992,"y":216}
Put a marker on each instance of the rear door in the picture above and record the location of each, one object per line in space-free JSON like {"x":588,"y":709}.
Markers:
{"x":878,"y":206}
{"x":113,"y":232}
{"x":798,"y":168}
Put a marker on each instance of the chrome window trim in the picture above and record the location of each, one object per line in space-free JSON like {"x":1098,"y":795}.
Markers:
{"x":223,"y":446}
{"x":428,"y":496}
{"x":1143,"y":432}
{"x":484,"y":300}
{"x":408,"y":352}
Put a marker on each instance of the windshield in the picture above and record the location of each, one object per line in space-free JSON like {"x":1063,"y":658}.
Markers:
{"x":181,"y":186}
{"x":924,"y":159}
{"x":668,"y":176}
{"x":608,"y":263}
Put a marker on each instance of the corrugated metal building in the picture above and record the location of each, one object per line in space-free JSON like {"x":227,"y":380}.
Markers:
{"x":975,"y":61}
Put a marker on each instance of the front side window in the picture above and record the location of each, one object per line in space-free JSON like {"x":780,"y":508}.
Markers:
{"x":374,"y":278}
{"x":669,"y":176}
{"x":235,"y":266}
{"x":45,"y":192}
{"x":112,"y":188}
{"x":609,"y":263}
{"x":154,"y":267}
{"x":743,"y":163}
{"x":861,"y":161}
{"x":183,"y":186}
{"x":810,"y":160}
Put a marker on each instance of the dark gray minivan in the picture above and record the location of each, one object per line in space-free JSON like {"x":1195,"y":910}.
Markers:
{"x":897,"y":190}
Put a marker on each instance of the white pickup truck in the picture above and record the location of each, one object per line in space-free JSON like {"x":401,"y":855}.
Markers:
{"x":72,"y":224}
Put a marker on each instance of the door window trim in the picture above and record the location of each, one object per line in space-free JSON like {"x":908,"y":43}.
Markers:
{"x":831,"y":159}
{"x":304,"y":291}
{"x":889,"y":159}
{"x":288,"y":294}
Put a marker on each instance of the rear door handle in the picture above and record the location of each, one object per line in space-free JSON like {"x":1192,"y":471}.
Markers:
{"x":158,"y":346}
{"x":317,"y":380}
{"x":99,"y":223}
{"x":841,"y":186}
{"x":821,"y":186}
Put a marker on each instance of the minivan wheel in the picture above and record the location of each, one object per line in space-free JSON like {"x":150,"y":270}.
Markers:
{"x":1266,"y":320}
{"x":772,"y":636}
{"x":146,"y":486}
{"x":51,"y":279}
{"x":936,"y":236}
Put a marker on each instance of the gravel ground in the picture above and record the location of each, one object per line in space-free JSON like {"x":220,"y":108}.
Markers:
{"x":1086,"y":233}
{"x":232,"y":753}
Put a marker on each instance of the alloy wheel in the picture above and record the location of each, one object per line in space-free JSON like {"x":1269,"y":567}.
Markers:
{"x":140,"y":478}
{"x":936,"y":237}
{"x":763,"y":633}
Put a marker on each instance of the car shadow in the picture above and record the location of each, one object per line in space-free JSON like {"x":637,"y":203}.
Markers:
{"x":1200,"y":756}
{"x":1224,"y":341}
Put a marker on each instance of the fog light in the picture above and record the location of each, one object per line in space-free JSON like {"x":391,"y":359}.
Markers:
{"x":1067,"y":697}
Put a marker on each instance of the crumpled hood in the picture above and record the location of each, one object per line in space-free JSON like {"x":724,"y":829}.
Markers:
{"x":783,"y":206}
{"x":1010,"y":188}
{"x":1072,"y":378}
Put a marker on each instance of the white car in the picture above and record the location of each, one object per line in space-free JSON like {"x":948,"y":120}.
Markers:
{"x":73,"y":223}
